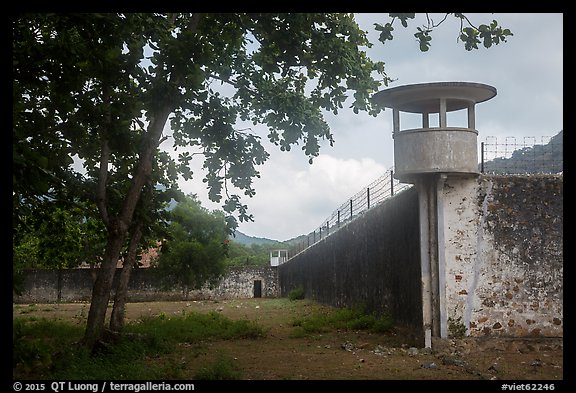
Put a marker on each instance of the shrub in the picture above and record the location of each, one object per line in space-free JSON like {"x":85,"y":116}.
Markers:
{"x":296,"y":293}
{"x":343,"y":318}
{"x":223,"y":368}
{"x":456,"y":327}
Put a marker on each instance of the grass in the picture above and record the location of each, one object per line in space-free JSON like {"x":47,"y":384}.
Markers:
{"x":36,"y":340}
{"x":26,"y":310}
{"x":195,"y":326}
{"x":344,"y":318}
{"x":152,"y":346}
{"x":224,"y":368}
{"x":38,"y":348}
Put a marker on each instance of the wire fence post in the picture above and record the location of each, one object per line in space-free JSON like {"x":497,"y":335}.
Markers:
{"x":481,"y":157}
{"x":368,"y":197}
{"x":338,"y":218}
{"x":391,"y":182}
{"x":350,"y":209}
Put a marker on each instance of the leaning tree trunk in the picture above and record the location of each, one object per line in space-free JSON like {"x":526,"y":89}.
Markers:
{"x":119,"y":309}
{"x":118,"y":228}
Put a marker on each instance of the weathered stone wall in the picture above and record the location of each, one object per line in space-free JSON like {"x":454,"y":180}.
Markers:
{"x":504,"y":255}
{"x":373,"y":261}
{"x":43,"y":286}
{"x":239,"y":284}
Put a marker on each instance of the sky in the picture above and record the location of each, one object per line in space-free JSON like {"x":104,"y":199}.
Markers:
{"x":294,"y":198}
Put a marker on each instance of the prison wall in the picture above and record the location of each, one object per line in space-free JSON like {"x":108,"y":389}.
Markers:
{"x":73,"y":285}
{"x":373,"y":262}
{"x":504,"y":255}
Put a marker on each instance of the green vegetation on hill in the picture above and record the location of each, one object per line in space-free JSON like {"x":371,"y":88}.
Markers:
{"x":246,"y":250}
{"x":246,"y":240}
{"x":543,"y":158}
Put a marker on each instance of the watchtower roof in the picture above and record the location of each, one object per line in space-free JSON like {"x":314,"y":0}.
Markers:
{"x":425,"y":97}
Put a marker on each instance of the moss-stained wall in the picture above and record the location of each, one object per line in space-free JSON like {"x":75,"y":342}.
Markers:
{"x":504,"y":255}
{"x":373,"y":261}
{"x":42,"y":286}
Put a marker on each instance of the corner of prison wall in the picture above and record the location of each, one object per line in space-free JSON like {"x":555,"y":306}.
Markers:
{"x":504,"y":255}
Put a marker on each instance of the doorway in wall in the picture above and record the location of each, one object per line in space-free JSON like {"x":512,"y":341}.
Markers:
{"x":257,"y":288}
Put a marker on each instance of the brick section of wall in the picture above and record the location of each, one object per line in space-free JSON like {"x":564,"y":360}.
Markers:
{"x":43,"y":286}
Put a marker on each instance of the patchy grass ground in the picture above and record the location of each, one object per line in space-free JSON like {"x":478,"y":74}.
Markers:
{"x":287,"y":352}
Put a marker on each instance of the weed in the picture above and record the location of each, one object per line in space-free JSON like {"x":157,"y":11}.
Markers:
{"x":296,"y":294}
{"x":35,"y":341}
{"x":224,"y":368}
{"x":46,"y":349}
{"x":456,"y":327}
{"x":344,"y":318}
{"x":195,"y":326}
{"x":81,"y":316}
{"x":27,"y":352}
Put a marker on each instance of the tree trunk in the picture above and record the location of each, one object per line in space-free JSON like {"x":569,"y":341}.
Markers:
{"x":118,"y":311}
{"x":102,"y":288}
{"x":117,"y":229}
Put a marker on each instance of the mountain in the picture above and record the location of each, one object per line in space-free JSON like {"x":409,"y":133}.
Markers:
{"x":246,"y":240}
{"x":297,"y":240}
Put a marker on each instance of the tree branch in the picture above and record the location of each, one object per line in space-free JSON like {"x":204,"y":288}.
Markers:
{"x":104,"y":159}
{"x":470,"y":23}
{"x":194,"y":21}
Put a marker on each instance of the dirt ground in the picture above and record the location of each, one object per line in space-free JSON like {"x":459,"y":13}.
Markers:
{"x":337,"y":355}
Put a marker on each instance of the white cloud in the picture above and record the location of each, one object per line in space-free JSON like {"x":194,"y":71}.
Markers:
{"x":291,"y":202}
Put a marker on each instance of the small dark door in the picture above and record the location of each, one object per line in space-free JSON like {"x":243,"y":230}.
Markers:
{"x":257,"y":288}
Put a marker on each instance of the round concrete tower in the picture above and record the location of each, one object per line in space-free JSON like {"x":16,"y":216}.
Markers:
{"x":442,"y":149}
{"x":427,"y":157}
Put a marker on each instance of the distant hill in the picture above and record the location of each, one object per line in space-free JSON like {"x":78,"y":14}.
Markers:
{"x":296,"y":240}
{"x":546,"y":158}
{"x":246,"y":240}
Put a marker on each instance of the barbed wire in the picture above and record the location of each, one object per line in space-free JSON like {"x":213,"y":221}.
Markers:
{"x":526,"y":155}
{"x":368,"y":197}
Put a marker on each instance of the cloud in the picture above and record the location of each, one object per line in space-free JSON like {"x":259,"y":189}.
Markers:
{"x":290,"y":202}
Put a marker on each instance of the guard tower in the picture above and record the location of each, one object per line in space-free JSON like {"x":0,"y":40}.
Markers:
{"x":426,"y":157}
{"x":278,"y":257}
{"x":442,"y":149}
